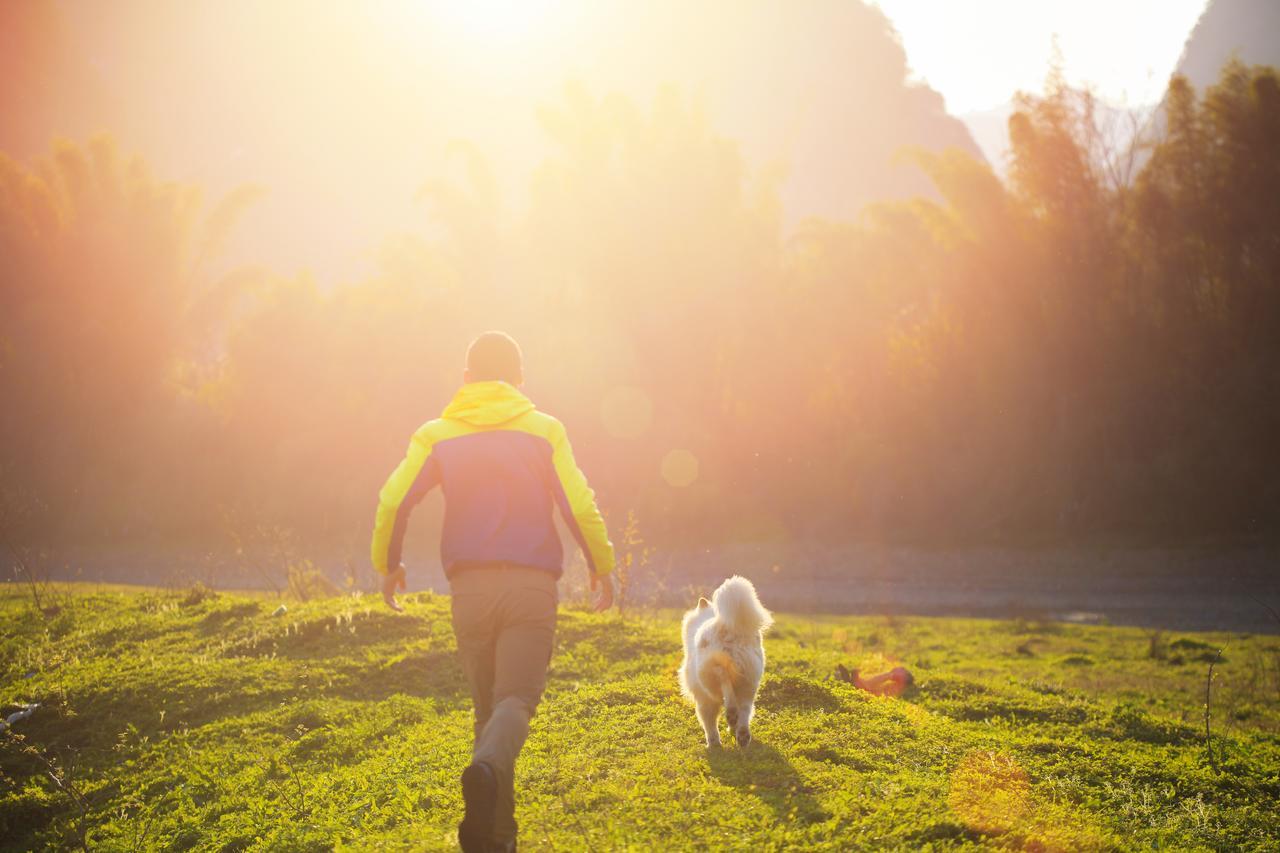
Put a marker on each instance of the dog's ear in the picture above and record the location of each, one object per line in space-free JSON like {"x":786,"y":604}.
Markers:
{"x":703,"y":604}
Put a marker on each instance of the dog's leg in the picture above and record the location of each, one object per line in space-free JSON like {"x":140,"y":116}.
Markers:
{"x":732,"y":708}
{"x":741,"y":721}
{"x":708,"y":715}
{"x":734,"y":713}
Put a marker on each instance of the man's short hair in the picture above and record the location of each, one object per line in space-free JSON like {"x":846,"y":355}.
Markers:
{"x":495,"y":356}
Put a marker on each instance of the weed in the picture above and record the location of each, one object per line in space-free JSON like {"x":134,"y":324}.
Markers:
{"x":1157,"y":646}
{"x":198,"y":594}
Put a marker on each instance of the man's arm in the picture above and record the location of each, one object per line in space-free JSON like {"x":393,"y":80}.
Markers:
{"x":412,"y":479}
{"x":578,"y":506}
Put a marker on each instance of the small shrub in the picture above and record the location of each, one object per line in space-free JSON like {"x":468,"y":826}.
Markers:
{"x":307,"y":582}
{"x":1045,"y":688}
{"x":198,"y":594}
{"x":1133,"y":723}
{"x":1157,"y":646}
{"x":633,"y":556}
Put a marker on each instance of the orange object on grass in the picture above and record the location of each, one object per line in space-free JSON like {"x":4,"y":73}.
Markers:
{"x":892,"y":683}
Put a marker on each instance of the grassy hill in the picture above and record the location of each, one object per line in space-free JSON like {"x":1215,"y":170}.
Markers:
{"x":185,"y":720}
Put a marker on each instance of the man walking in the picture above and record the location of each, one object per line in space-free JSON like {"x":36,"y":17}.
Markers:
{"x":502,"y":466}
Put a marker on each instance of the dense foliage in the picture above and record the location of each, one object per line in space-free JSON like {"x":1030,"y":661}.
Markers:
{"x":1087,"y":348}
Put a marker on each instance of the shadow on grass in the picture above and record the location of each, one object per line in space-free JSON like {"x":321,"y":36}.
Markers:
{"x":217,"y":620}
{"x":91,"y":718}
{"x":435,"y":674}
{"x":762,"y":772}
{"x":791,"y":691}
{"x":325,"y":637}
{"x":87,"y":731}
{"x":619,"y":642}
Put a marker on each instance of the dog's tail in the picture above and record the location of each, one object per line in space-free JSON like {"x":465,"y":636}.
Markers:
{"x":738,"y":607}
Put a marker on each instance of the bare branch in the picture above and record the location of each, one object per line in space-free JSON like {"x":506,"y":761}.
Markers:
{"x":1208,"y":685}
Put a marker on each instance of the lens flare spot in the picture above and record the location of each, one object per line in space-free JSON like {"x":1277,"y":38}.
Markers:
{"x":680,"y":468}
{"x":627,"y":412}
{"x":989,"y":792}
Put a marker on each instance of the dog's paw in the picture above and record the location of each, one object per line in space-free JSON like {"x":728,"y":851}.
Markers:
{"x":742,"y":735}
{"x":731,"y":717}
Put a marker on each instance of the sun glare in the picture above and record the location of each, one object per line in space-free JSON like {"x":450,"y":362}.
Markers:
{"x":1125,"y":50}
{"x":495,"y":21}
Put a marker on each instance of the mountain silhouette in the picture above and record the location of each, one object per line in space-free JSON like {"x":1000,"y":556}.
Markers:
{"x":1244,"y":29}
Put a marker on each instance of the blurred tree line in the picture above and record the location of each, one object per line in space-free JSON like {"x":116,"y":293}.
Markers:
{"x":1090,"y":348}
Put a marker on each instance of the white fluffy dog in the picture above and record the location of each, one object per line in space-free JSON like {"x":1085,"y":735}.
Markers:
{"x":724,"y":657}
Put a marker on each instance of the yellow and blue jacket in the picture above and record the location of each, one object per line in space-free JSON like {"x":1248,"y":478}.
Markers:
{"x":502,"y":466}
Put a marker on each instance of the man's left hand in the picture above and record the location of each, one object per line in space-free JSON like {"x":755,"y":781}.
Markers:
{"x":394,"y":580}
{"x":602,"y":586}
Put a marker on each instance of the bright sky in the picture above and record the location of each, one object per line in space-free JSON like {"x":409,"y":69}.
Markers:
{"x":343,"y":110}
{"x":977,"y":52}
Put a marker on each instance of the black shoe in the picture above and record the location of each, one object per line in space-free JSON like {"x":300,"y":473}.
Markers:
{"x":480,"y":795}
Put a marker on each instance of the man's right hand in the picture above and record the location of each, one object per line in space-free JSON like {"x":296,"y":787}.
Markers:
{"x":602,"y":586}
{"x":393,"y":580}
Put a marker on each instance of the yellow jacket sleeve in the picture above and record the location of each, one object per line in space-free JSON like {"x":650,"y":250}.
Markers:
{"x":389,"y":523}
{"x":579,"y":506}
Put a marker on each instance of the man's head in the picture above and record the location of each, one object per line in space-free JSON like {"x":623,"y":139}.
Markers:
{"x":494,"y":356}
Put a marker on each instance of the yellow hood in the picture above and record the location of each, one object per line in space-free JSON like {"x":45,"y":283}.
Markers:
{"x":487,"y":404}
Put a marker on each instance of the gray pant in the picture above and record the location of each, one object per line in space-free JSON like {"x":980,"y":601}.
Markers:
{"x":504,"y":619}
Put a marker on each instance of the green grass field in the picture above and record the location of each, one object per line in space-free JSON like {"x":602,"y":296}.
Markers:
{"x":169,"y":720}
